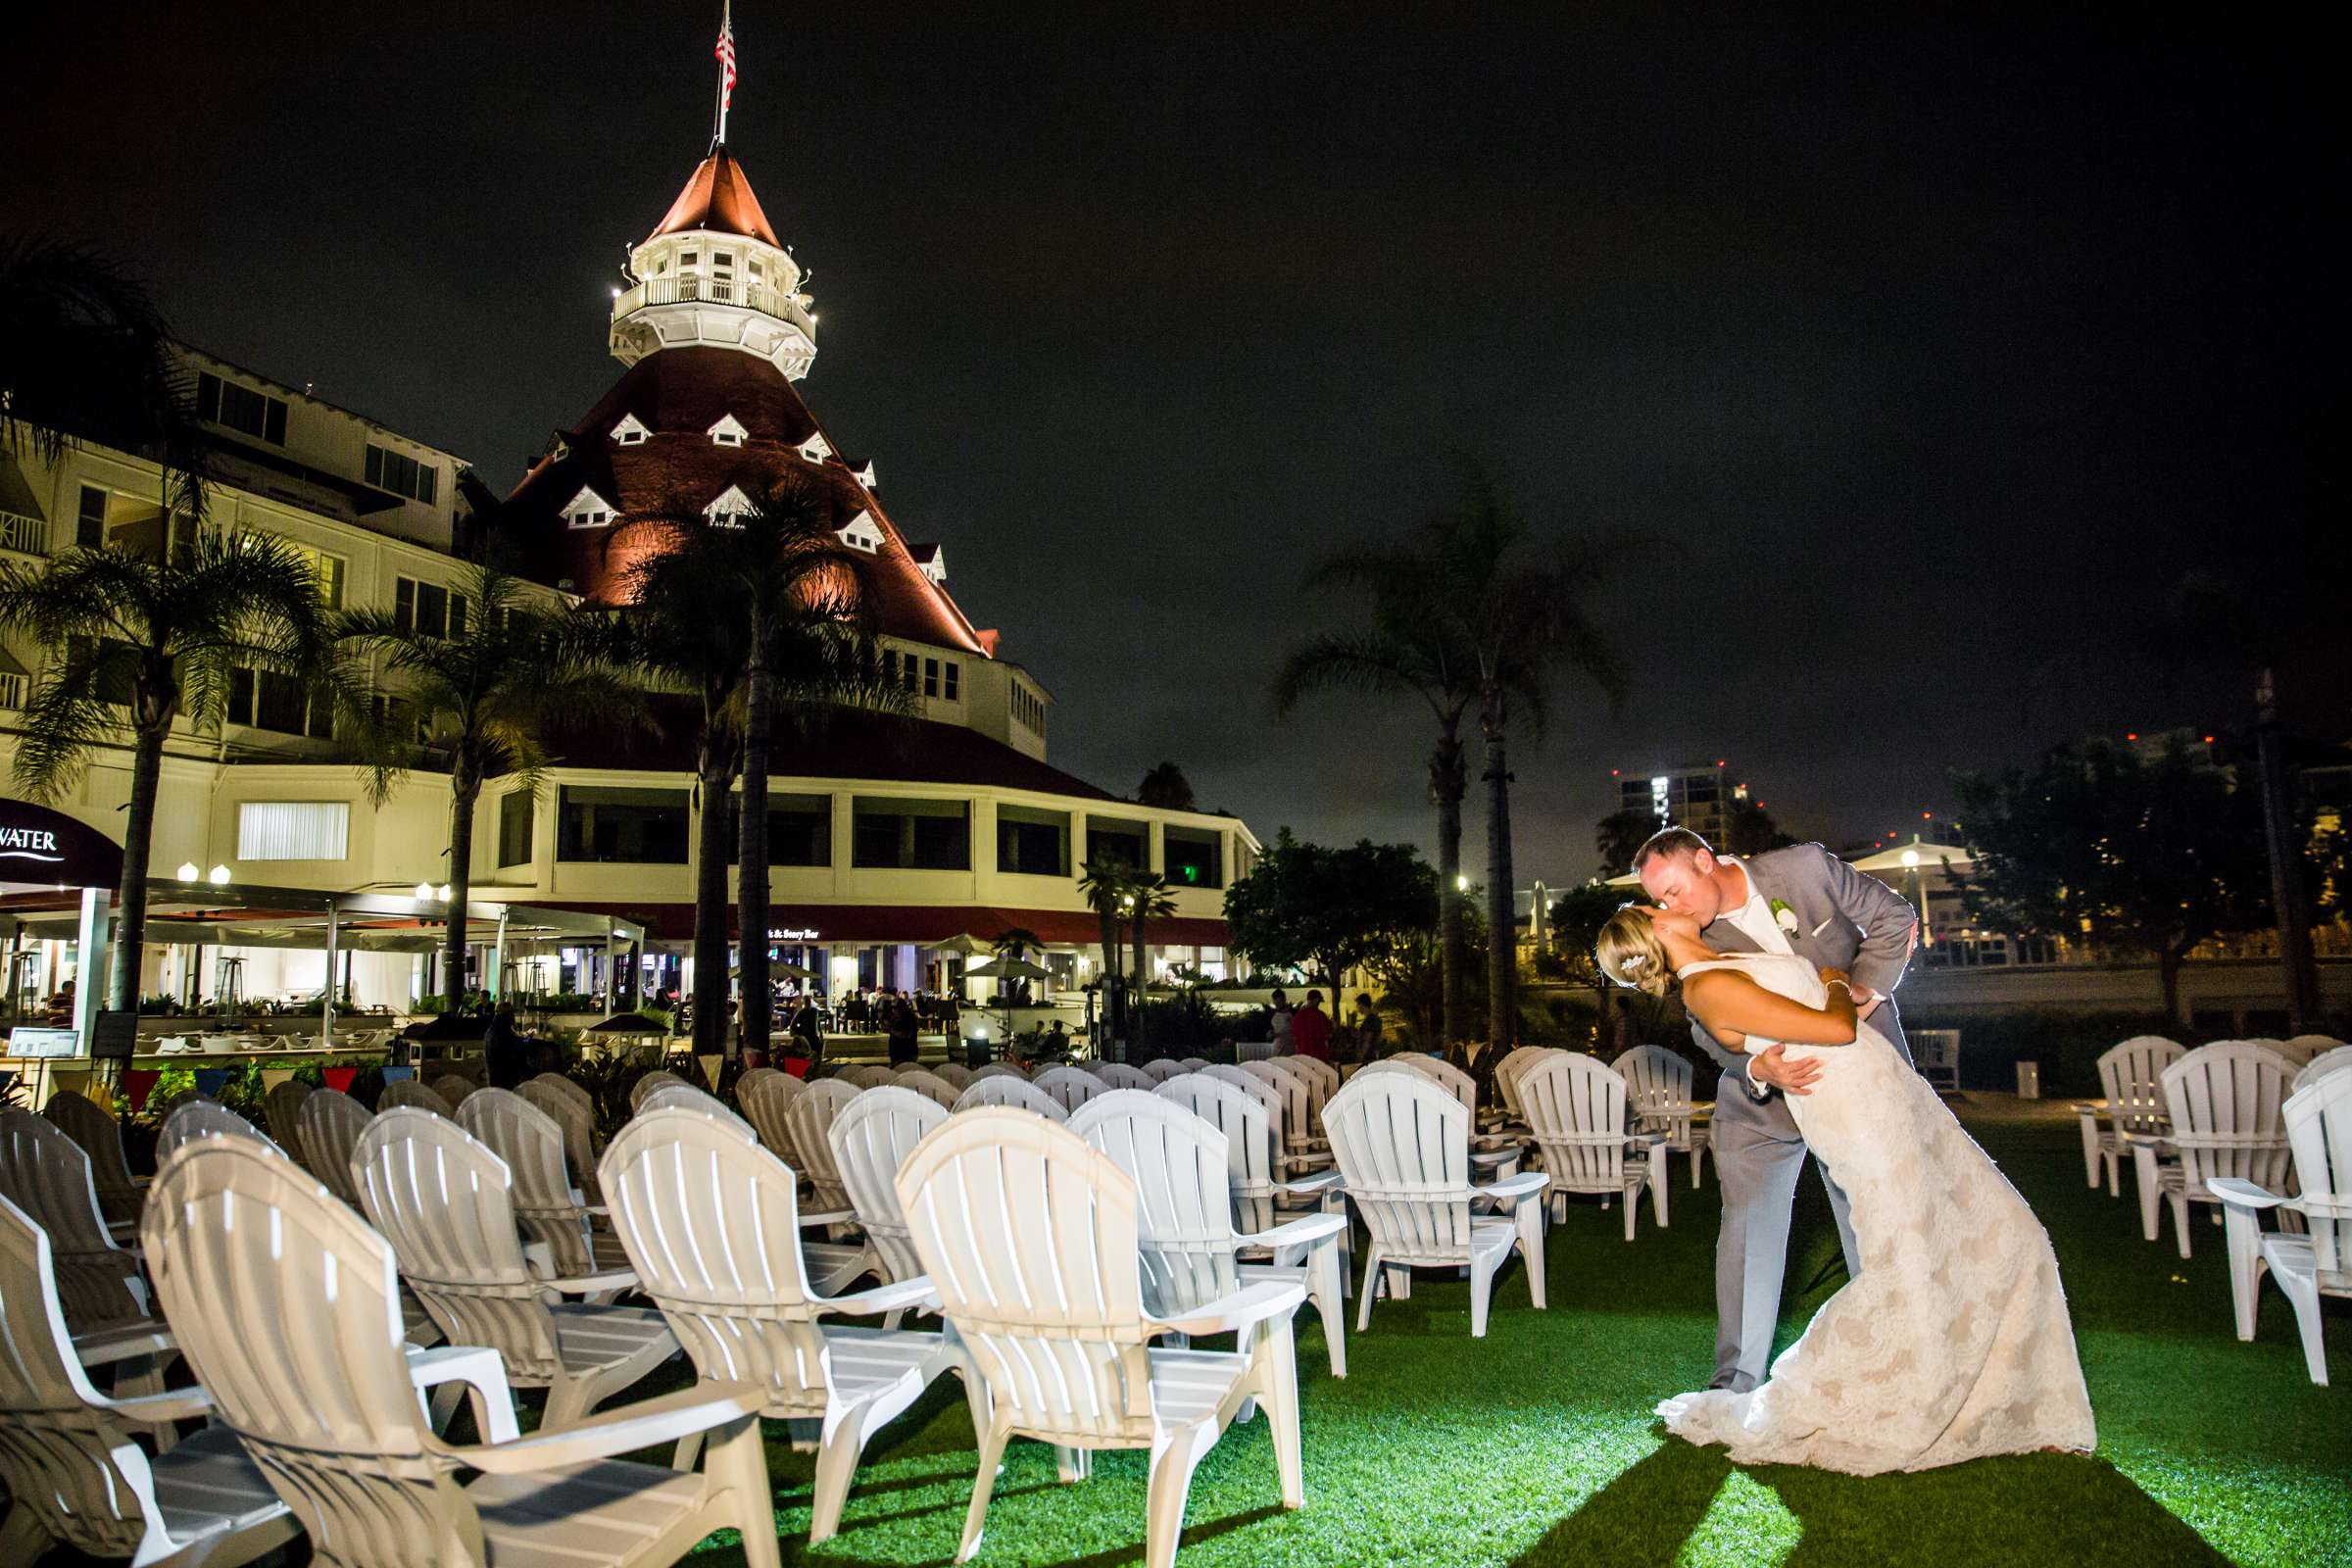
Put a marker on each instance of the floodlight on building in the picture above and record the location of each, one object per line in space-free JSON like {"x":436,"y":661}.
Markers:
{"x":425,"y":892}
{"x":188,"y":872}
{"x":1461,"y":884}
{"x":1911,"y":858}
{"x":442,"y":893}
{"x":219,"y":876}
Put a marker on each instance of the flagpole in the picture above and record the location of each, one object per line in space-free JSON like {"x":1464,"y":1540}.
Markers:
{"x":726,"y":30}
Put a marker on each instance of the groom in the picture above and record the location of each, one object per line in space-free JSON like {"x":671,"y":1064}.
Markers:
{"x":1803,"y":900}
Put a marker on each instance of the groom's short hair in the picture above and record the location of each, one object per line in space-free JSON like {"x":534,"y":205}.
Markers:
{"x":1669,"y":841}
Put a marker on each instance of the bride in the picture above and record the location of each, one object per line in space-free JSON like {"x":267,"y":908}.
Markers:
{"x":1953,"y":1342}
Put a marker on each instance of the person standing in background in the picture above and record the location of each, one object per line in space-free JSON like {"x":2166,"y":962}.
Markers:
{"x":1367,"y":1028}
{"x":1310,"y":1028}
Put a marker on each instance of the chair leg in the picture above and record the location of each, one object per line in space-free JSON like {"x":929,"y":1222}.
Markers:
{"x":1531,"y":1248}
{"x":688,"y":1450}
{"x":1368,"y":1290}
{"x":1172,"y":1466}
{"x":1072,"y":1465}
{"x":1698,"y":1160}
{"x":2244,"y":1237}
{"x":568,"y":1403}
{"x":1278,"y":1394}
{"x":2115,"y":1166}
{"x":1658,"y":1183}
{"x":2090,"y":1149}
{"x":1633,"y":1206}
{"x":983,"y":1482}
{"x":1324,"y":1271}
{"x":2180,"y":1220}
{"x":739,"y":1462}
{"x":2151,"y":1190}
{"x":2304,"y":1292}
{"x":1482,"y":1292}
{"x":837,"y":1457}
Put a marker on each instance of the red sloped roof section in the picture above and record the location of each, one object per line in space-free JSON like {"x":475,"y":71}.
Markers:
{"x":718,"y":197}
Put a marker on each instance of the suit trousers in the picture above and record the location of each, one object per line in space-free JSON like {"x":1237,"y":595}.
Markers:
{"x":1758,"y":1157}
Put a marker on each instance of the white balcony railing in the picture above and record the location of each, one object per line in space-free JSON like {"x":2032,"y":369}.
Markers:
{"x":29,"y":535}
{"x":686,"y":288}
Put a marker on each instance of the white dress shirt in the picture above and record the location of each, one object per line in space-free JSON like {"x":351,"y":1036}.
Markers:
{"x":1754,"y":919}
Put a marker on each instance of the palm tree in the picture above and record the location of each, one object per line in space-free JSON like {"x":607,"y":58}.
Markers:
{"x":141,"y":640}
{"x":1104,"y":888}
{"x":803,"y":601}
{"x":490,"y":695}
{"x":1402,"y":652}
{"x":1147,"y":898}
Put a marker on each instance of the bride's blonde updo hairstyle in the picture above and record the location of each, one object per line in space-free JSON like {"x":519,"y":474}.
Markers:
{"x":1630,"y":952}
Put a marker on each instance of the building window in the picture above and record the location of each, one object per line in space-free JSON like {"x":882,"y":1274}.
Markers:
{"x":817,"y":449}
{"x":255,"y":414}
{"x":953,"y":673}
{"x":428,"y":608}
{"x":518,"y":822}
{"x":860,"y":533}
{"x":728,"y":431}
{"x":930,"y":677}
{"x":630,"y":431}
{"x":401,"y":474}
{"x":89,"y":519}
{"x":328,"y":569}
{"x":1108,"y":840}
{"x":910,"y":835}
{"x":1195,"y":857}
{"x":271,"y":699}
{"x":1028,"y":708}
{"x":12,"y":689}
{"x":611,"y":823}
{"x":1033,"y":843}
{"x":588,"y":509}
{"x":729,"y":510}
{"x":800,"y":829}
{"x":293,"y":830}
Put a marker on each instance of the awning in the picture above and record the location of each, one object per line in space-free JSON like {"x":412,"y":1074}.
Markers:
{"x":923,"y":925}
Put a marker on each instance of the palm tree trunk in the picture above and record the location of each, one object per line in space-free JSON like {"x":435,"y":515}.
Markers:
{"x":1502,"y":949}
{"x":751,"y":871}
{"x":131,"y":897}
{"x":465,"y":788}
{"x":715,"y":769}
{"x":1446,"y":785}
{"x":1134,"y":1003}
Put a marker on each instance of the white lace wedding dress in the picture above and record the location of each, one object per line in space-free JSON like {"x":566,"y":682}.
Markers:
{"x":1954,"y":1341}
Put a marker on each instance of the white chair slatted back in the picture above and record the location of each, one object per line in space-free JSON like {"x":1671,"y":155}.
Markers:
{"x":2133,"y":1076}
{"x":1322,"y":1082}
{"x":870,"y":1140}
{"x":1291,"y":1092}
{"x":331,"y":1124}
{"x":2224,"y":1101}
{"x":454,"y":1088}
{"x":999,"y":1069}
{"x":1069,"y":1087}
{"x":1657,"y":1088}
{"x":1195,"y":1063}
{"x":1030,"y":1238}
{"x":1404,"y":1148}
{"x":282,"y":1109}
{"x":685,"y":1097}
{"x":810,"y":1116}
{"x":711,"y":1223}
{"x":2320,"y":1066}
{"x":47,"y":1175}
{"x":1576,"y":1110}
{"x":869,"y":1075}
{"x":2318,"y":1131}
{"x":287,"y":1305}
{"x":407,"y":1093}
{"x":1165,"y":1068}
{"x":1184,"y":1211}
{"x":745,"y":1081}
{"x":573,"y":1111}
{"x":954,"y":1074}
{"x":1118,"y":1075}
{"x":1507,"y":1074}
{"x":547,"y":1205}
{"x":930,"y":1085}
{"x":1010,"y":1089}
{"x":205,"y":1118}
{"x":769,"y":1107}
{"x":647,"y":1084}
{"x":100,"y":1136}
{"x":444,"y":1202}
{"x":1250,"y":1149}
{"x":1445,"y":1075}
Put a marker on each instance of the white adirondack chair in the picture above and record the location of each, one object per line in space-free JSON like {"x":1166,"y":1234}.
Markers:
{"x":75,"y":1475}
{"x":2223,"y":1101}
{"x":867,"y":1075}
{"x":205,"y":1118}
{"x":1010,"y":1089}
{"x":1031,"y":1240}
{"x":2319,"y":1127}
{"x":1305,"y":1094}
{"x":1182,"y":1167}
{"x":1494,"y":1152}
{"x":2320,"y":1066}
{"x":408,"y":1093}
{"x":454,"y":1088}
{"x":119,"y":1195}
{"x":1118,"y":1075}
{"x":2133,"y":1076}
{"x":47,"y":1175}
{"x":694,"y":1198}
{"x":1069,"y":1087}
{"x":2311,"y":1046}
{"x":252,"y":1256}
{"x":1285,"y":1100}
{"x":647,"y":1084}
{"x":685,"y":1097}
{"x":999,"y":1069}
{"x":1163,"y":1069}
{"x":331,"y":1124}
{"x":282,"y":1109}
{"x":548,"y":1205}
{"x":573,"y":1111}
{"x":443,"y":1201}
{"x":1577,"y":1113}
{"x":1404,"y":1148}
{"x":745,"y":1080}
{"x":1323,"y":1081}
{"x":811,"y":1117}
{"x":1657,"y":1090}
{"x":1506,"y":1075}
{"x":954,"y":1074}
{"x":937,"y":1090}
{"x":869,"y":1141}
{"x":767,"y":1106}
{"x":1251,"y":1121}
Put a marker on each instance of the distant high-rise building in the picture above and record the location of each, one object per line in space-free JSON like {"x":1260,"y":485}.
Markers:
{"x":1698,"y":797}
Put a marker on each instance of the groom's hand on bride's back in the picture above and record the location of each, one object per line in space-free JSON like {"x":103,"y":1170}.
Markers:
{"x":1773,"y":1067}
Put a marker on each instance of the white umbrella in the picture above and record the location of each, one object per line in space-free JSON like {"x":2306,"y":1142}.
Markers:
{"x":1007,"y":969}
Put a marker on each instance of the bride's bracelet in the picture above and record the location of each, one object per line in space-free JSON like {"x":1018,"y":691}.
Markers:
{"x":1842,"y":986}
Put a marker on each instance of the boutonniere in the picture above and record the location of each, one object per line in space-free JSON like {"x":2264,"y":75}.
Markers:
{"x":1783,"y":917}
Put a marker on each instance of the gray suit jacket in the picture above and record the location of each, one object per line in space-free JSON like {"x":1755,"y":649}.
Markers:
{"x":1844,"y":920}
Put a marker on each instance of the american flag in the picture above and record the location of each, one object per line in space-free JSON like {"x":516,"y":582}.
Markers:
{"x":726,"y":58}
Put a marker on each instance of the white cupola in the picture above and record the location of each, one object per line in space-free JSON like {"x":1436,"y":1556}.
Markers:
{"x":714,"y":275}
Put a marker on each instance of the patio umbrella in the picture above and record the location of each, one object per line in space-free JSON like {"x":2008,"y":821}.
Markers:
{"x":628,"y":1023}
{"x":963,"y":941}
{"x":1007,"y":969}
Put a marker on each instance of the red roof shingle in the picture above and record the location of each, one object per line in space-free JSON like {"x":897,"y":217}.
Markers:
{"x":718,"y":197}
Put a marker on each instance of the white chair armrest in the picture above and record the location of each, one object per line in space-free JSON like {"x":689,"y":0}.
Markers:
{"x":1297,"y":1232}
{"x":2237,"y":1193}
{"x":482,"y":1367}
{"x":106,"y":1346}
{"x":1524,"y":1184}
{"x":1252,"y":1304}
{"x":1318,"y":1182}
{"x":618,"y":1279}
{"x":1497,"y":1157}
{"x":172,"y":1404}
{"x":648,"y":1424}
{"x":829,"y":1216}
{"x":896,"y":1296}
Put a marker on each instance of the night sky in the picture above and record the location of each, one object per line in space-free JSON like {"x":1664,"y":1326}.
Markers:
{"x":1943,"y":348}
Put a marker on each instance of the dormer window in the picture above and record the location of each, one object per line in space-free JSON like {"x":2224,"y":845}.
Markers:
{"x":728,"y":431}
{"x":630,"y":431}
{"x":933,"y":561}
{"x":588,"y":509}
{"x":862,"y":533}
{"x":865,"y":478}
{"x":728,"y":511}
{"x":817,"y":449}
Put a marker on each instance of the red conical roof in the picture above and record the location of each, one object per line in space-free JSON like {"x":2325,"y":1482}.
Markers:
{"x":718,"y":197}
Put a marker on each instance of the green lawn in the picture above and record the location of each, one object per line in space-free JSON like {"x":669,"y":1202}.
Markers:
{"x":1535,"y":1446}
